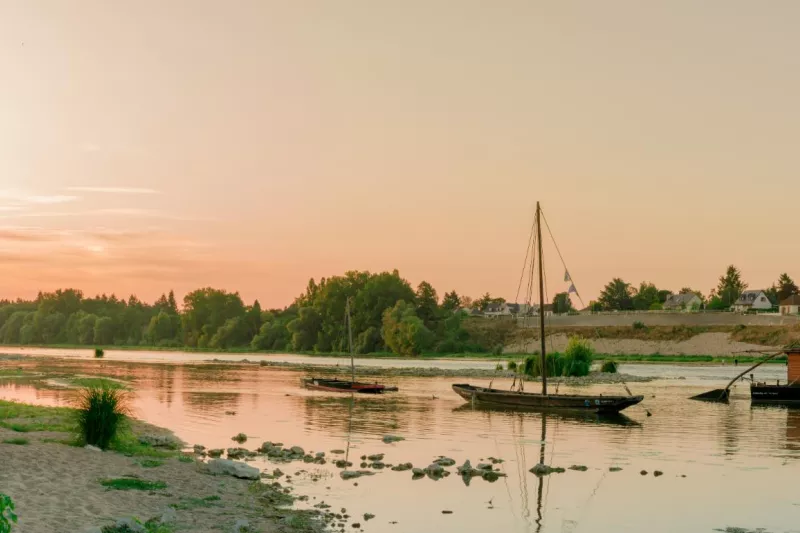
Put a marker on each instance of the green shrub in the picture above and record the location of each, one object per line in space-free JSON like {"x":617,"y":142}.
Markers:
{"x":609,"y":367}
{"x":512,"y":366}
{"x":129,"y":483}
{"x":17,"y":440}
{"x":639,"y":325}
{"x":498,"y":350}
{"x":577,"y":357}
{"x":101,"y":411}
{"x":7,"y":516}
{"x":498,"y":367}
{"x":98,"y":352}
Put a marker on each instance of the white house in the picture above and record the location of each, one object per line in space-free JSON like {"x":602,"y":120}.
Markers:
{"x":791,"y":305}
{"x":683,"y":302}
{"x":752,"y":300}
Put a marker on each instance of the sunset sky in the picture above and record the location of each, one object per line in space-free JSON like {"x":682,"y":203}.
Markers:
{"x":250,"y":145}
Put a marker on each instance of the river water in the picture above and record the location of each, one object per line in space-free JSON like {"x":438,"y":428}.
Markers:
{"x":723,"y":465}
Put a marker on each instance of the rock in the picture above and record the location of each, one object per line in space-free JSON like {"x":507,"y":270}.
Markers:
{"x":92,"y":448}
{"x":615,"y":469}
{"x":230,"y":413}
{"x":368,"y":517}
{"x":337,"y":452}
{"x":353,"y":474}
{"x":658,"y":473}
{"x":403,"y":467}
{"x":378,"y":465}
{"x":388,"y":439}
{"x":364,"y":464}
{"x":376,"y":457}
{"x":129,"y":524}
{"x":545,"y":470}
{"x":198,"y":449}
{"x":266,"y":447}
{"x":495,"y":460}
{"x":169,"y":516}
{"x":239,"y":453}
{"x":447,"y":512}
{"x":297,"y":450}
{"x":417,"y":472}
{"x":435,"y":470}
{"x":466,"y":470}
{"x":161,"y":441}
{"x":217,"y":452}
{"x":643,"y":472}
{"x":579,"y":468}
{"x":356,"y":525}
{"x":319,"y":455}
{"x":444,"y":461}
{"x":241,"y":526}
{"x":491,"y":476}
{"x":484,"y":466}
{"x":233,"y":468}
{"x":341,"y":463}
{"x":308,"y":459}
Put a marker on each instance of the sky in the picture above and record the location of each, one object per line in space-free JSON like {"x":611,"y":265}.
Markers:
{"x":252,"y":145}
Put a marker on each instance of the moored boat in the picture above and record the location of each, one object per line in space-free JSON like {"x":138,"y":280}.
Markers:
{"x":337,"y":385}
{"x":545,"y":402}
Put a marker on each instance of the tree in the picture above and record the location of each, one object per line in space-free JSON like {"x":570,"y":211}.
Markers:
{"x":616,"y":296}
{"x":730,"y":286}
{"x":234,"y":332}
{"x":427,"y":304}
{"x":403,"y":331}
{"x":663,"y":295}
{"x":305,"y":329}
{"x":205,"y":311}
{"x":163,"y":327}
{"x":467,"y":302}
{"x":786,"y":287}
{"x":562,"y":303}
{"x":104,"y":330}
{"x":86,"y":328}
{"x":450,"y":302}
{"x":646,"y":296}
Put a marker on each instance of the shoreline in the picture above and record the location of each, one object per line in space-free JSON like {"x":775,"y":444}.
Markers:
{"x":73,"y":488}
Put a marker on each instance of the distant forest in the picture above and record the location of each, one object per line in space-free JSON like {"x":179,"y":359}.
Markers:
{"x":388,"y":315}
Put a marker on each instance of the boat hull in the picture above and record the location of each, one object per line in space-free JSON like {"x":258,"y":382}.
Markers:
{"x":336,"y":385}
{"x":546,"y":402}
{"x":761,"y":393}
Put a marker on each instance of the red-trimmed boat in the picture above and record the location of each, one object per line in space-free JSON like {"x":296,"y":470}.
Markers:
{"x":338,"y":385}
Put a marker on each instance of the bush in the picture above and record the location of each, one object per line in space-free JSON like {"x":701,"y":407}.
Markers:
{"x":101,"y":411}
{"x":512,"y":365}
{"x":498,"y":367}
{"x":577,"y":357}
{"x":98,"y":352}
{"x":609,"y":367}
{"x":639,"y":325}
{"x":7,"y":516}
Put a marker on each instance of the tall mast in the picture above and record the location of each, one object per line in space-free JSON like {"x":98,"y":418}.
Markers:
{"x":350,"y":341}
{"x":541,"y":298}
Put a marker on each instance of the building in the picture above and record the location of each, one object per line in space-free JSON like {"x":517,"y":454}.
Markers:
{"x":683,"y":302}
{"x":752,"y":300}
{"x":791,"y":305}
{"x":793,"y":364}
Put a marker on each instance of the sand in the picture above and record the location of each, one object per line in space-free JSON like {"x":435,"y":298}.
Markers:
{"x":55,"y":488}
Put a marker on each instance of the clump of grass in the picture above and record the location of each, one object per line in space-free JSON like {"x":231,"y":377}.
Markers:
{"x":19,"y":428}
{"x":19,"y":441}
{"x":512,"y":366}
{"x":129,"y":483}
{"x":185,"y":458}
{"x":609,"y":367}
{"x":153,"y":525}
{"x":498,"y":367}
{"x":7,"y":515}
{"x":240,"y":438}
{"x":194,"y":503}
{"x":99,"y":352}
{"x":151,"y":463}
{"x":101,"y":412}
{"x":639,"y":325}
{"x":575,"y":361}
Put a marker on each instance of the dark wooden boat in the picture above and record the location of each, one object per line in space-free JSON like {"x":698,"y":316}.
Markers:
{"x":337,"y":385}
{"x":546,"y":402}
{"x":761,"y":393}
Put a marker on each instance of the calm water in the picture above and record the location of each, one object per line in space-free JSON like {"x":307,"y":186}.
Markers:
{"x":742,"y":464}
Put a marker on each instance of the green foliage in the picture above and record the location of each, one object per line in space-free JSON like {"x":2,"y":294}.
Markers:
{"x":153,"y":525}
{"x":575,"y":361}
{"x":645,"y":296}
{"x":638,"y":324}
{"x":99,"y":352}
{"x":427,"y":304}
{"x":128,"y":483}
{"x":193,"y":503}
{"x":451,"y":302}
{"x":730,"y":286}
{"x":512,"y":366}
{"x":403,"y":331}
{"x":7,"y":515}
{"x":151,"y":463}
{"x":101,"y":411}
{"x":19,"y":441}
{"x":609,"y":367}
{"x":498,"y":367}
{"x":616,"y":296}
{"x":786,"y":287}
{"x":562,"y":303}
{"x":656,"y":306}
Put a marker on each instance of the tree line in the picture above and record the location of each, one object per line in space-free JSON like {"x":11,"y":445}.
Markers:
{"x":387,"y":315}
{"x":619,"y":295}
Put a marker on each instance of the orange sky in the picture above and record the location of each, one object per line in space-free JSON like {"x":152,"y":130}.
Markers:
{"x":251,"y":145}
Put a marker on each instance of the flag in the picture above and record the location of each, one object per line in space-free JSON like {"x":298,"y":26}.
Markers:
{"x":566,"y":276}
{"x":572,"y":288}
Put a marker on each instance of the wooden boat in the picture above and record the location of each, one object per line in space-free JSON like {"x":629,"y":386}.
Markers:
{"x":544,"y":401}
{"x":337,"y":385}
{"x":761,"y":393}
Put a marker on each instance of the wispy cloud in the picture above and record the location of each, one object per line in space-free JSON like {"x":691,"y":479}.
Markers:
{"x":114,"y":190}
{"x":17,"y":197}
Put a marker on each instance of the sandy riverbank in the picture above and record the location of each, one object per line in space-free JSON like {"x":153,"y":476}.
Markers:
{"x":56,"y":487}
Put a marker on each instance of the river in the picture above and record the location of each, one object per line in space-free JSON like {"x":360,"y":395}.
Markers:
{"x":723,"y":465}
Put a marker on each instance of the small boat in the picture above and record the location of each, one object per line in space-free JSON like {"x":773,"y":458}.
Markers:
{"x":337,"y":385}
{"x":545,"y":402}
{"x":787,"y":394}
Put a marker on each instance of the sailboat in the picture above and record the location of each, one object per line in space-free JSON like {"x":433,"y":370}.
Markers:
{"x":338,"y":385}
{"x":543,"y":400}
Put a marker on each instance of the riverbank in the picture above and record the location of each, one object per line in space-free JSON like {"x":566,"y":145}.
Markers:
{"x":58,"y":486}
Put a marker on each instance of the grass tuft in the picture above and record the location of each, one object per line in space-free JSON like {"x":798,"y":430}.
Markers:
{"x":151,"y":463}
{"x":19,"y":441}
{"x":609,"y":367}
{"x":101,"y":412}
{"x":127,"y":483}
{"x":99,"y":352}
